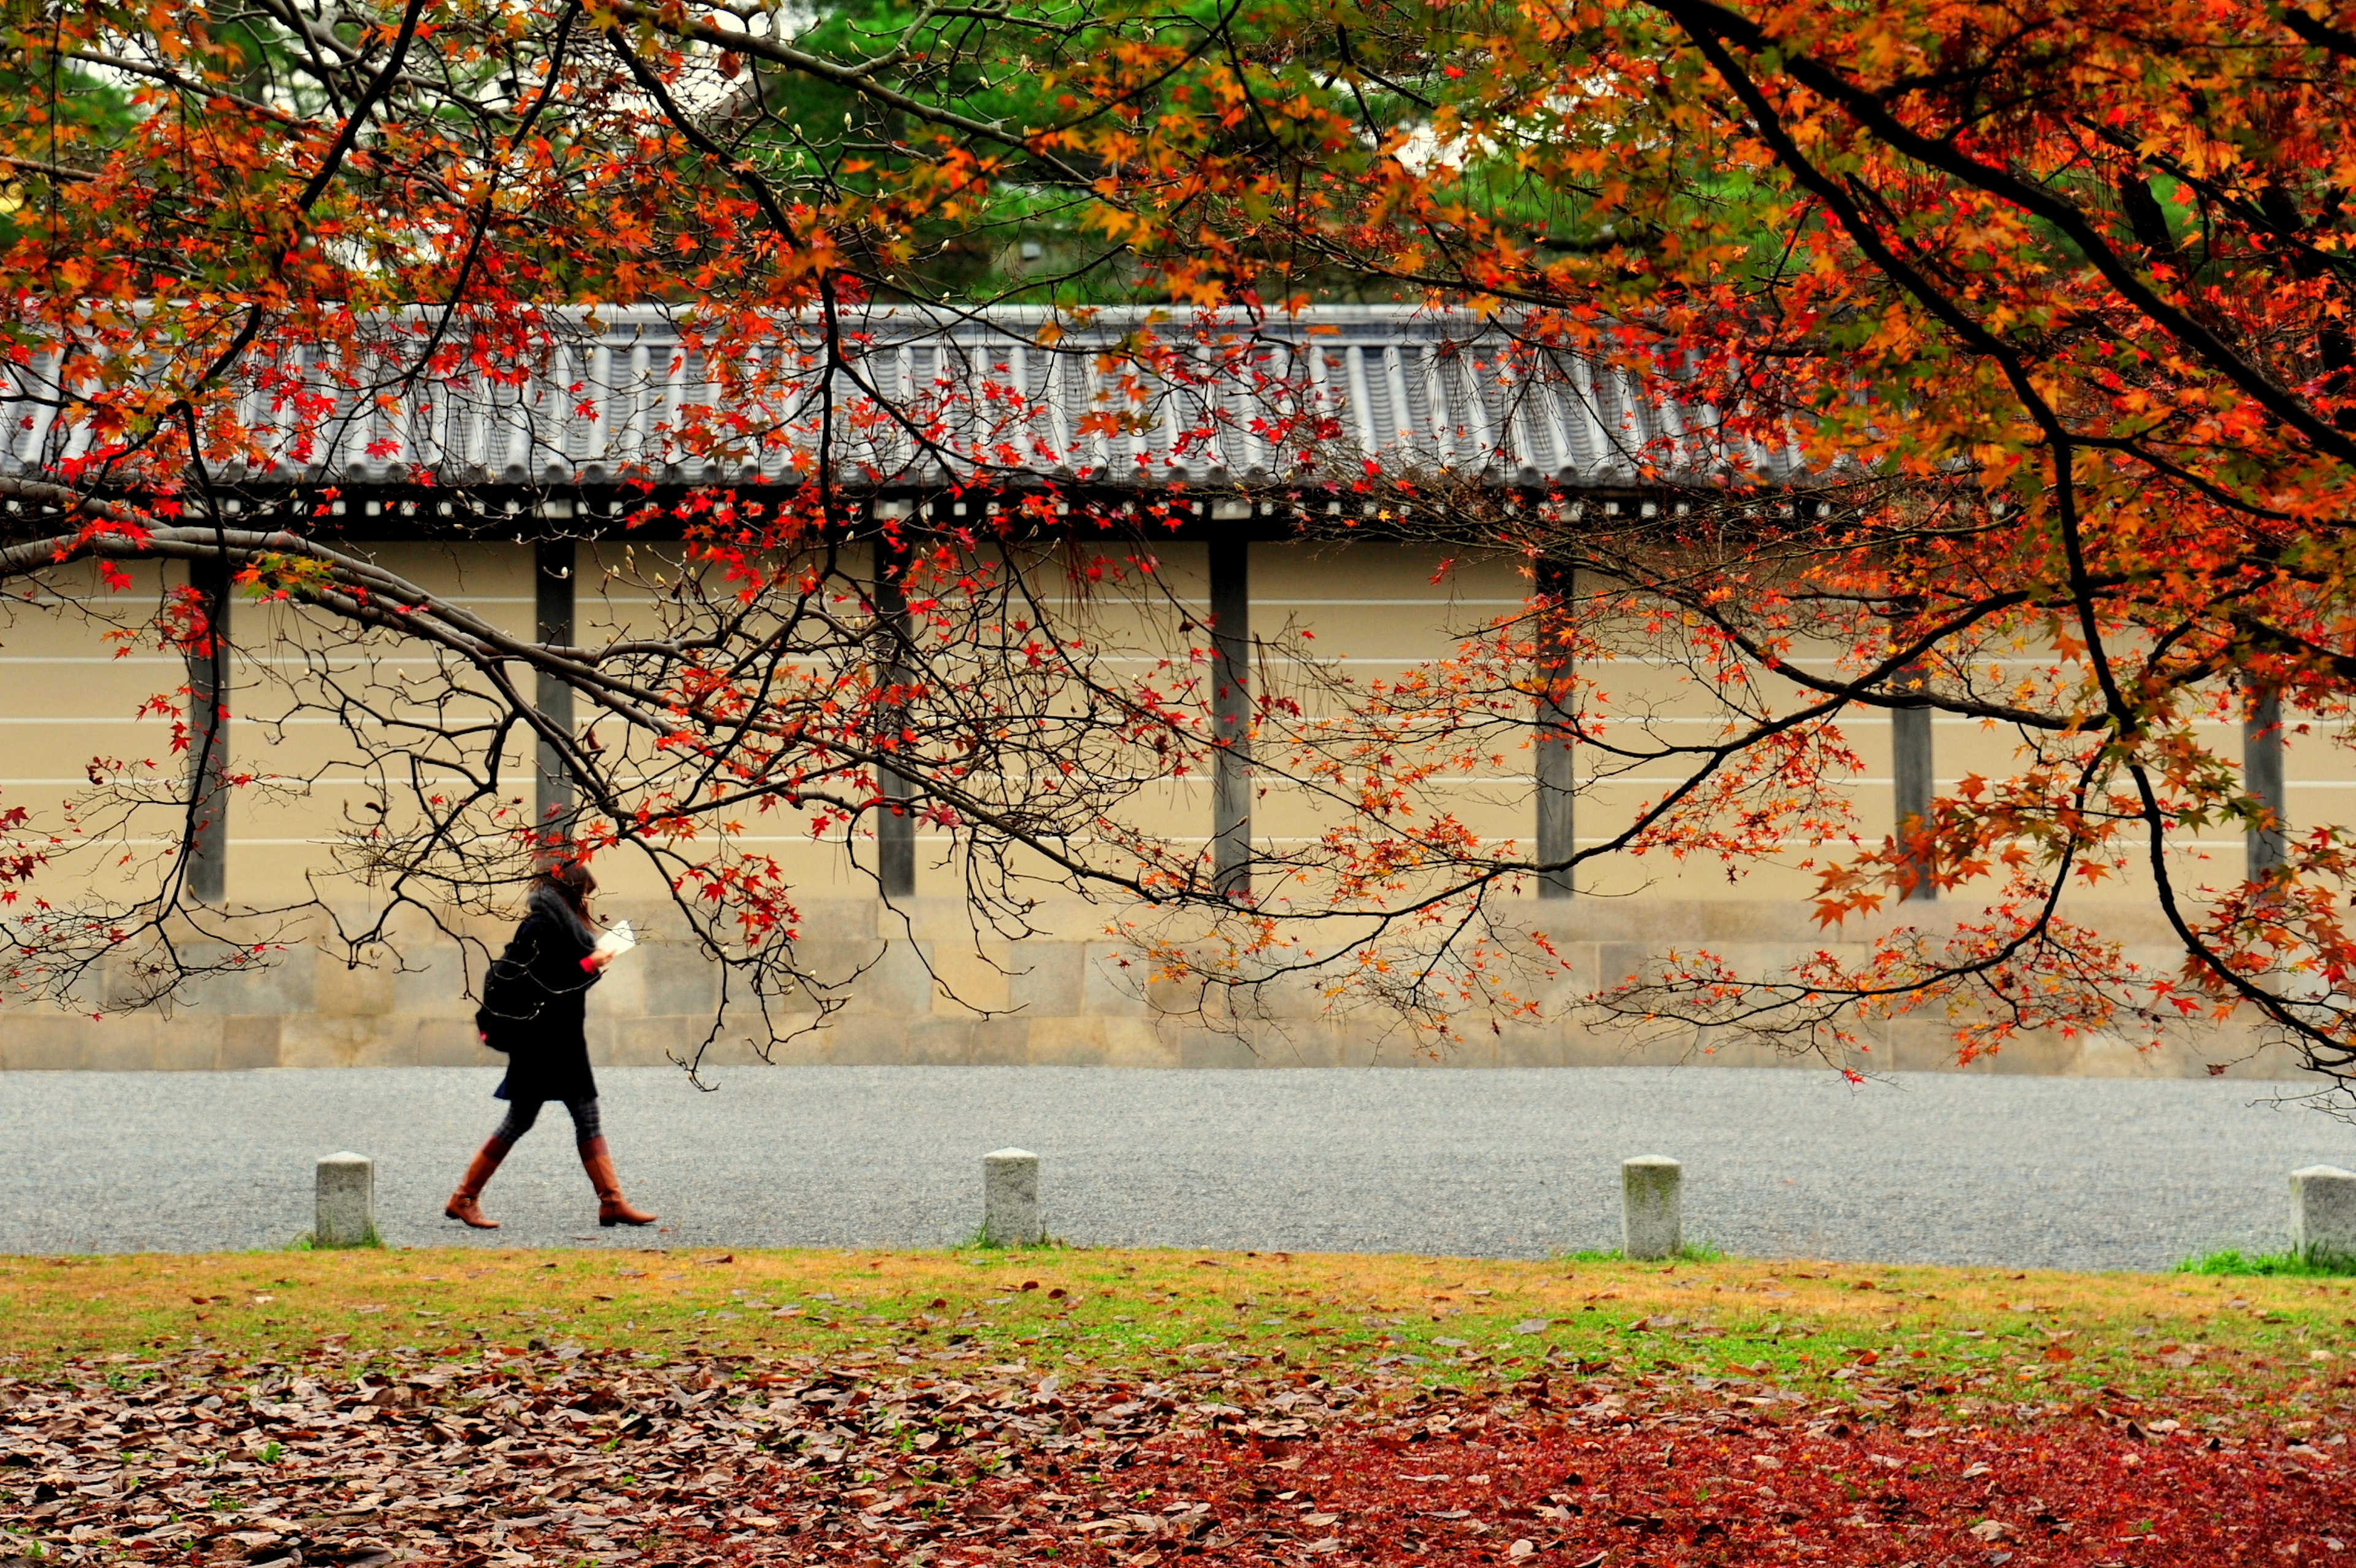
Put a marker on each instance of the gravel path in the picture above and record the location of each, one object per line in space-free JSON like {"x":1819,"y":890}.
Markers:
{"x":2055,"y":1173}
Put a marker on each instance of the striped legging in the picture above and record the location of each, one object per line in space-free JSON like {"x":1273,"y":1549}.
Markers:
{"x":522,"y":1114}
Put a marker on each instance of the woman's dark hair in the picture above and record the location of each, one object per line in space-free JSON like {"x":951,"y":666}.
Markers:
{"x":569,"y":880}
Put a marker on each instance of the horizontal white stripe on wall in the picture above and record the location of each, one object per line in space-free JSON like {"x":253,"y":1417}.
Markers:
{"x":2174,"y":845}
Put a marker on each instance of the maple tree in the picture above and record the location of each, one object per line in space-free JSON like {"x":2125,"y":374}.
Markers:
{"x":2050,"y":299}
{"x":2003,"y":332}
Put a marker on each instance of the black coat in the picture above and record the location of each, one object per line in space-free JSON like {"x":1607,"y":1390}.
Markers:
{"x":548,"y":1052}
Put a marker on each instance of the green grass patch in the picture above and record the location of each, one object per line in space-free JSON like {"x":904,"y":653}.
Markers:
{"x":1691,"y":1252}
{"x":1963,"y":1339}
{"x":308,"y":1241}
{"x":2310,"y":1262}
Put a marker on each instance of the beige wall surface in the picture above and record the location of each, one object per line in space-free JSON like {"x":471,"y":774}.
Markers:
{"x":75,"y":709}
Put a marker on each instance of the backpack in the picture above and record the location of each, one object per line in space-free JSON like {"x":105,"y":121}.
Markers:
{"x":511,"y":996}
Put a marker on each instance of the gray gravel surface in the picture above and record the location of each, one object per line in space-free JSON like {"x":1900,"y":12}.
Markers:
{"x":1921,"y":1168}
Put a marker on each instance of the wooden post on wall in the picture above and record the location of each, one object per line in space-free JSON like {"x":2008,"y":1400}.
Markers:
{"x":2262,"y":772}
{"x":553,"y":562}
{"x":1911,"y":771}
{"x":895,"y":825}
{"x":1554,"y":761}
{"x":1231,"y":710}
{"x":1912,"y":781}
{"x":209,"y":696}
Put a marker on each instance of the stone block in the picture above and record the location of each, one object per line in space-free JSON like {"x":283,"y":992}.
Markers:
{"x":1057,"y":1039}
{"x":433,"y":984}
{"x":1352,"y":1043}
{"x":2271,"y":1059}
{"x":1651,"y":1207}
{"x":380,"y":1040}
{"x":2323,"y":1211}
{"x":249,"y":1042}
{"x":1199,"y":1047}
{"x":2043,"y":1054}
{"x":1920,"y":1045}
{"x":180,"y":1044}
{"x":1138,"y":1042}
{"x":677,"y":979}
{"x":1529,"y":1045}
{"x":806,"y":1048}
{"x":123,"y":981}
{"x":938,"y":1042}
{"x":728,"y":1051}
{"x":1303,"y":1042}
{"x":136,"y":1042}
{"x":30,"y":1042}
{"x":1727,"y":1048}
{"x":346,"y":1201}
{"x":1629,"y":1045}
{"x":452,"y":1043}
{"x":281,"y":982}
{"x":998,"y":1042}
{"x":861,"y":920}
{"x":1010,"y":1199}
{"x":948,"y":922}
{"x":965,"y":981}
{"x":340,"y":990}
{"x":831,"y":961}
{"x":897,"y":984}
{"x":867,"y":1040}
{"x":1400,"y":1051}
{"x":1180,"y":995}
{"x":1046,"y":980}
{"x":1616,"y":962}
{"x":2104,"y":1054}
{"x":1111,"y":983}
{"x":314,"y":1040}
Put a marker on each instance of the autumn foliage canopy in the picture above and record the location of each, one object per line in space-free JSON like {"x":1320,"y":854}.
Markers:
{"x":2043,"y":310}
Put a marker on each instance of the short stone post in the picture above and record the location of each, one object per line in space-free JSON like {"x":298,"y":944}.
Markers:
{"x":346,"y":1202}
{"x":1010,"y":1199}
{"x":1651,"y":1207}
{"x":2323,"y":1211}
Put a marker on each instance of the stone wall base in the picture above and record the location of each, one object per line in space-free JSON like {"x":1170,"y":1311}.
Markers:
{"x":1067,"y":1000}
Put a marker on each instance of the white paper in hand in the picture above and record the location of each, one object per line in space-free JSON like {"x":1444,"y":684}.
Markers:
{"x":618,"y":939}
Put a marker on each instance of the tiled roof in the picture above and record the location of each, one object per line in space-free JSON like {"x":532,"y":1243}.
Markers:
{"x":921,"y":398}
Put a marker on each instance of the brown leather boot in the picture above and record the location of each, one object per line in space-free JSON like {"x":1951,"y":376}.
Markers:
{"x":463,"y":1204}
{"x":613,"y":1209}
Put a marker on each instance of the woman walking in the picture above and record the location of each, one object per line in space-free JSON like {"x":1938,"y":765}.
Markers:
{"x":535,"y":1001}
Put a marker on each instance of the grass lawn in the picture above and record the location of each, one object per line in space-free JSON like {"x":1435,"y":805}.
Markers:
{"x":1999,"y":1337}
{"x":1128,"y":1407}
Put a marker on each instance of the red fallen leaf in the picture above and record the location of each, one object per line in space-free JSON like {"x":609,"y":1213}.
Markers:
{"x":735,"y":1462}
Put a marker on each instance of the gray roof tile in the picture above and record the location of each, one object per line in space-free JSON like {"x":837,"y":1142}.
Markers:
{"x":918,"y":397}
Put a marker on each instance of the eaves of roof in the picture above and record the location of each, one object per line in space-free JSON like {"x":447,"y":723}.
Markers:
{"x":904,"y":396}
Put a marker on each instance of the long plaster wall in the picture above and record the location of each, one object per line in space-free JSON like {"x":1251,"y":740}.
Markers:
{"x":66,"y":697}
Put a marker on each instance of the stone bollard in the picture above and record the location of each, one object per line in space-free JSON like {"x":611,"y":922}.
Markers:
{"x":1010,"y":1199}
{"x":2323,"y":1211}
{"x":1651,"y":1207}
{"x":346,"y":1202}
